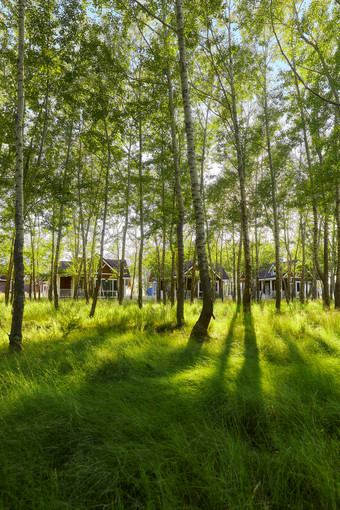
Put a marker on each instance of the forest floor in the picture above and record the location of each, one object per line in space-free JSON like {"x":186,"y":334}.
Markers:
{"x":116,"y":412}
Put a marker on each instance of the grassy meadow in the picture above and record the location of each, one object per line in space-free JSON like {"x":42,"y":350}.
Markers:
{"x":123,"y":412}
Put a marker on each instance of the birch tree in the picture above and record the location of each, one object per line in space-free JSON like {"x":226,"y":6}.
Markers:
{"x":15,"y":337}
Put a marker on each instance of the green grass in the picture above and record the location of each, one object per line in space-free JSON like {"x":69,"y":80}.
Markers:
{"x":111,"y":413}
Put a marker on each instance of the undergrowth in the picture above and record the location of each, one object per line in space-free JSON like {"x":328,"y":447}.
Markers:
{"x":120,"y":412}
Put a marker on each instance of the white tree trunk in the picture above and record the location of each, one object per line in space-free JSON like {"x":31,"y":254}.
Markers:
{"x":15,"y":337}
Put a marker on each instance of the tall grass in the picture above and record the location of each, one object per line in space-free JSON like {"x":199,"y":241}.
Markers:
{"x":112,"y":413}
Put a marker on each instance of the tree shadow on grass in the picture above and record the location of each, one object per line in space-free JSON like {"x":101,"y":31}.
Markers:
{"x":227,"y":348}
{"x":251,"y":414}
{"x":216,"y":399}
{"x":315,"y":387}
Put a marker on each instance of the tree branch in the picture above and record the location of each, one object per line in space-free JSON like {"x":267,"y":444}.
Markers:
{"x":154,"y":16}
{"x":334,"y":103}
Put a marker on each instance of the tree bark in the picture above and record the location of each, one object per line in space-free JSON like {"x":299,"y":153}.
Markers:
{"x":238,"y":270}
{"x":60,"y":226}
{"x":84,"y":234}
{"x":33,"y":264}
{"x":121,"y":288}
{"x":134,"y":270}
{"x":106,"y":193}
{"x":234,"y":266}
{"x":326,"y":297}
{"x":274,"y":202}
{"x":303,"y":262}
{"x":173,"y":258}
{"x":163,"y":239}
{"x":38,"y":256}
{"x":337,"y":280}
{"x":93,"y":247}
{"x":193,"y":276}
{"x":50,"y":286}
{"x":15,"y":337}
{"x":200,"y":329}
{"x":141,"y":219}
{"x":9,"y":274}
{"x":289,"y":260}
{"x":180,"y":206}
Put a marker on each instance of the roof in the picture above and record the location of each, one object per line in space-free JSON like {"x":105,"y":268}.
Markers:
{"x":115,"y":264}
{"x":66,"y":266}
{"x":188,"y":267}
{"x":270,"y":273}
{"x":267,"y":274}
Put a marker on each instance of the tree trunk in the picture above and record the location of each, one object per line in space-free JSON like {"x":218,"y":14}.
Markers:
{"x":172,"y":277}
{"x":274,"y":203}
{"x":9,"y":275}
{"x":125,"y":228}
{"x":242,"y":177}
{"x":84,"y":234}
{"x":238,"y":271}
{"x":15,"y":337}
{"x":333,"y":261}
{"x":141,"y":220}
{"x":294,"y":269}
{"x":77,"y":280}
{"x":200,"y":329}
{"x":221,"y":270}
{"x":234,"y":266}
{"x":30,"y":288}
{"x":106,"y":193}
{"x":303,"y":263}
{"x":33,"y":264}
{"x":93,"y":247}
{"x":180,"y":206}
{"x":38,"y":255}
{"x":337,"y":280}
{"x":134,"y":272}
{"x":13,"y":285}
{"x":193,"y":276}
{"x":215,"y":274}
{"x":289,"y":259}
{"x":158,"y":294}
{"x":60,"y":227}
{"x":326,"y":299}
{"x":50,"y":286}
{"x":84,"y":261}
{"x":257,"y":269}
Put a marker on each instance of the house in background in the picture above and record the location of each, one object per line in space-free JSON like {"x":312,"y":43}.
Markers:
{"x":222,"y":281}
{"x":110,"y":277}
{"x":3,"y":280}
{"x":267,"y":281}
{"x":67,"y":277}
